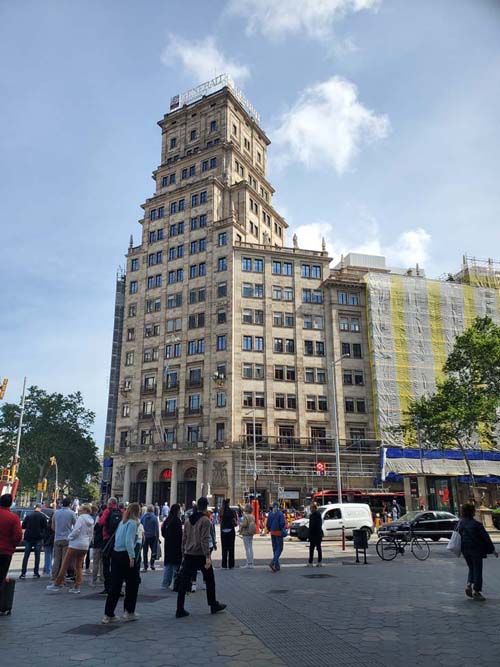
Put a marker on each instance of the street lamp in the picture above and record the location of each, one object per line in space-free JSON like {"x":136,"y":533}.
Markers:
{"x":53,"y":462}
{"x":254,"y":455}
{"x":336,"y":422}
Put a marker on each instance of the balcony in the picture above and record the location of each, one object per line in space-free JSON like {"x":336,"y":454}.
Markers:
{"x":194,"y":410}
{"x":171,"y":386}
{"x":148,"y":390}
{"x":195,"y":382}
{"x":170,"y":414}
{"x":147,"y":416}
{"x":287,"y":443}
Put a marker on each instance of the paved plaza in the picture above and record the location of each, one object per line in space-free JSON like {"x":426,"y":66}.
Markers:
{"x":383,"y":614}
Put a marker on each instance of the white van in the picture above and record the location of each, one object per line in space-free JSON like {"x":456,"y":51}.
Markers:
{"x":335,"y":517}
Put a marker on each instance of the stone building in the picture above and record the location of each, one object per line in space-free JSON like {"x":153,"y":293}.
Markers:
{"x":226,"y":347}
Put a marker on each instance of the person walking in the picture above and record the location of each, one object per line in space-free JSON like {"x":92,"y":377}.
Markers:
{"x":228,"y":523}
{"x":157,"y":510}
{"x":97,"y":542}
{"x":78,"y":545}
{"x":151,"y":536}
{"x":276,"y":526}
{"x":11,"y":534}
{"x":196,"y":551}
{"x":35,"y":529}
{"x":248,"y":529}
{"x":165,"y":510}
{"x":315,"y":535}
{"x":171,"y":531}
{"x":123,"y":567}
{"x":476,"y":545}
{"x":62,"y":523}
{"x":110,"y":520}
{"x":396,"y":510}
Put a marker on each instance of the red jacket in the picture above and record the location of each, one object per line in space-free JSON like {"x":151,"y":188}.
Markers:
{"x":103,"y":519}
{"x":11,"y":532}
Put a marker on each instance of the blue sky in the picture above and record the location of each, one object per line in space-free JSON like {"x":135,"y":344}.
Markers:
{"x":395,"y":105}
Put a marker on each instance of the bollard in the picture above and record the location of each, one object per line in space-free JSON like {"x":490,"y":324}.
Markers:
{"x":343,"y":538}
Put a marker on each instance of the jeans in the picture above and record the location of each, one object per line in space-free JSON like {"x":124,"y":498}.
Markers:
{"x":47,"y":565}
{"x":73,"y":557}
{"x":475,"y":575}
{"x":96,"y":565}
{"x":248,"y":544}
{"x":37,"y":547}
{"x":315,"y":544}
{"x":149,"y":543}
{"x":190,"y":567}
{"x":277,"y":543}
{"x":4,"y":566}
{"x":227,"y":544}
{"x":122,"y":572}
{"x":169,"y":569}
{"x":58,"y":554}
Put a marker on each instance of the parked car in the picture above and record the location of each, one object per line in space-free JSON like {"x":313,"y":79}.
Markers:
{"x":22,"y":512}
{"x":350,"y":516}
{"x":426,"y":523}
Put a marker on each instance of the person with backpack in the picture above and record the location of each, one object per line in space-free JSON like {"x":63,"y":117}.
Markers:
{"x":228,"y":523}
{"x":315,"y":534}
{"x":276,"y":526}
{"x":475,"y":545}
{"x":109,"y":521}
{"x":171,"y":531}
{"x":248,"y":529}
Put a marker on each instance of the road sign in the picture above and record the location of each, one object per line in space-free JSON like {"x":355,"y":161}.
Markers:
{"x":321,"y":467}
{"x":281,"y":490}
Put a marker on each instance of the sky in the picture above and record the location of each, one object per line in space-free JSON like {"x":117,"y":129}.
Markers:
{"x":383,"y":117}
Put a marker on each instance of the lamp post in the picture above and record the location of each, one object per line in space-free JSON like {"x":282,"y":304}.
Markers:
{"x":336,"y":423}
{"x":53,"y":462}
{"x":254,"y":437}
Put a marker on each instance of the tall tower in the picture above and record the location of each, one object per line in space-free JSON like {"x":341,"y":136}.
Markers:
{"x":218,"y":313}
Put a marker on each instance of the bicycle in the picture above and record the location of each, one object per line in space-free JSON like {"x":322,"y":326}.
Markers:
{"x":389,"y":546}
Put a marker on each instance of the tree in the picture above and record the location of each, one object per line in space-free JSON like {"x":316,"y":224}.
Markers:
{"x":53,"y":425}
{"x":464,"y":410}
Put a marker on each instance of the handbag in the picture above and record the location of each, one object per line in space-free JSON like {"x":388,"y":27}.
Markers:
{"x":180,"y":579}
{"x":107,"y":549}
{"x":455,"y":543}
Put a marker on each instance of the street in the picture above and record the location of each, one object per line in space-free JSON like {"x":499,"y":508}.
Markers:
{"x":379,"y":615}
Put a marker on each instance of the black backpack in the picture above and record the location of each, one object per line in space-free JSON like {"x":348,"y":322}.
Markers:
{"x":98,"y":539}
{"x":113,"y":521}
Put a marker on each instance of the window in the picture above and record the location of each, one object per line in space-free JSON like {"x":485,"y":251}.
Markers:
{"x":290,"y":373}
{"x":132,"y":310}
{"x":133,"y":287}
{"x":309,"y":375}
{"x":247,"y":289}
{"x":213,"y":125}
{"x":278,"y":319}
{"x":276,"y":268}
{"x":344,"y":323}
{"x":221,"y":290}
{"x":153,"y":214}
{"x":130,"y":334}
{"x":320,"y":348}
{"x":346,"y":349}
{"x":360,"y":406}
{"x":310,"y":402}
{"x":204,"y":165}
{"x":358,"y":378}
{"x":220,"y":431}
{"x":247,"y":316}
{"x":129,"y":358}
{"x":289,"y":320}
{"x":174,"y":325}
{"x":287,"y":294}
{"x":222,"y":239}
{"x":278,"y":344}
{"x":247,"y":371}
{"x":134,"y":264}
{"x":313,"y":322}
{"x":170,"y":435}
{"x":357,"y":435}
{"x":203,"y":197}
{"x":221,"y":317}
{"x":173,"y":142}
{"x":174,"y":300}
{"x":193,"y":224}
{"x":291,"y":402}
{"x":171,"y":379}
{"x":213,"y":163}
{"x":322,"y":404}
{"x":258,"y":317}
{"x":279,"y":401}
{"x":260,"y":400}
{"x":306,"y":271}
{"x":171,"y":179}
{"x":258,"y":265}
{"x":279,"y":372}
{"x":355,"y":326}
{"x":259,"y":371}
{"x":164,"y":181}
{"x":320,"y":376}
{"x":316,"y":271}
{"x":234,"y":129}
{"x":222,"y":264}
{"x":354,"y":299}
{"x":308,"y":347}
{"x":289,"y":346}
{"x":203,"y":220}
{"x":173,"y":207}
{"x":196,"y":346}
{"x":159,"y":234}
{"x":247,"y":343}
{"x":246,"y":263}
{"x":248,"y":399}
{"x":347,"y":377}
{"x":221,"y":342}
{"x":192,"y":170}
{"x":277,"y":293}
{"x":259,"y":343}
{"x":192,"y":135}
{"x":349,"y":405}
{"x":356,"y":351}
{"x":125,"y":410}
{"x":181,"y":204}
{"x":220,"y":399}
{"x":195,"y":200}
{"x":193,"y":433}
{"x":152,"y":239}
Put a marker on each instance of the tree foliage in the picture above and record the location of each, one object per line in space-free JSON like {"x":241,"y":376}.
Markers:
{"x":464,"y":410}
{"x":53,"y":425}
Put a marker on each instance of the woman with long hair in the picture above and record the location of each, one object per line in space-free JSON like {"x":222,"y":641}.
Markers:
{"x":171,"y":531}
{"x":123,"y":567}
{"x":476,"y":544}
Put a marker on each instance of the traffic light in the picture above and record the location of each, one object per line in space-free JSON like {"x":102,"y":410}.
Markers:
{"x":3,"y":387}
{"x":53,"y":460}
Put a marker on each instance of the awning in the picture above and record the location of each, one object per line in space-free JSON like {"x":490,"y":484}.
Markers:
{"x":446,"y":463}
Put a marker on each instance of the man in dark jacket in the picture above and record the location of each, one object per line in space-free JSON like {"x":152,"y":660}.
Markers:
{"x":11,"y":534}
{"x":151,"y":535}
{"x":109,"y":520}
{"x":315,"y":534}
{"x":35,"y":530}
{"x":476,"y":545}
{"x":196,"y":549}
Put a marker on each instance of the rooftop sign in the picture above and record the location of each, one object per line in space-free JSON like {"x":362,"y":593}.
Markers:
{"x":209,"y":87}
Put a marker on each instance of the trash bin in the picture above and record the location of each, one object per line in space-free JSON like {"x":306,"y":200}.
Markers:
{"x":360,"y":538}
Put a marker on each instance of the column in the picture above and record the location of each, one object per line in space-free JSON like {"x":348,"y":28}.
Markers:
{"x":126,"y":483}
{"x":173,"y":483}
{"x":422,"y":491}
{"x":407,"y":489}
{"x":200,"y":471}
{"x":149,"y":483}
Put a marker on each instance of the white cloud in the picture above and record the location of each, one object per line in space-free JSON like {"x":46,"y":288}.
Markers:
{"x":410,"y":247}
{"x":315,"y":18}
{"x":328,"y":125}
{"x":202,"y":59}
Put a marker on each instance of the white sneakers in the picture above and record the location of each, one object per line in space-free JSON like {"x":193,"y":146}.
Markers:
{"x":53,"y":587}
{"x":130,"y":616}
{"x":74,"y":590}
{"x":109,"y":619}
